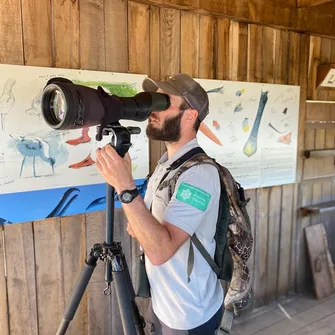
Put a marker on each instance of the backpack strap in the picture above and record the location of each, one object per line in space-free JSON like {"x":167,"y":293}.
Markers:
{"x":205,"y":254}
{"x":184,"y":158}
{"x":196,"y":241}
{"x":192,"y":158}
{"x":170,"y":183}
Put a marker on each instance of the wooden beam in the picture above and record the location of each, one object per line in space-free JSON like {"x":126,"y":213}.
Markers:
{"x":318,"y":208}
{"x":276,"y":14}
{"x":311,"y":3}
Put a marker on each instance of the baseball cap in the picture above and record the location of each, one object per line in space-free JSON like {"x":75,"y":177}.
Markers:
{"x":182,"y":85}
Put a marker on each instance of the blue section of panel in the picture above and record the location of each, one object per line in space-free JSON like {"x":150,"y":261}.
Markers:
{"x":37,"y":205}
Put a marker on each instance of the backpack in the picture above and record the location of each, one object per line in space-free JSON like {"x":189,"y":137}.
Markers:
{"x":233,"y":236}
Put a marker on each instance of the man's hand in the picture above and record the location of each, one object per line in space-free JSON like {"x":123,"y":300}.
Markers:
{"x":130,"y":231}
{"x":116,"y":170}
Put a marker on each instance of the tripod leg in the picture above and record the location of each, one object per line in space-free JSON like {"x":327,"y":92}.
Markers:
{"x":138,"y":319}
{"x":122,"y":295}
{"x":78,"y":292}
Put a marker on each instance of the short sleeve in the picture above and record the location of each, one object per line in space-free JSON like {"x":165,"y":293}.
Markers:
{"x":197,"y":191}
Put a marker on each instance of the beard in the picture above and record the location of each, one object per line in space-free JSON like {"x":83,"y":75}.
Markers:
{"x":169,"y":132}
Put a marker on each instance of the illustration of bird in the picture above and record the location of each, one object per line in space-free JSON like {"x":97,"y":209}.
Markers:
{"x":30,"y":146}
{"x":35,"y":109}
{"x":219,"y":90}
{"x":7,"y":101}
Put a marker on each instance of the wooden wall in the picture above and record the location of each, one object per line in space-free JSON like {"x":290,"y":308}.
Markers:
{"x":43,"y":262}
{"x":127,"y":36}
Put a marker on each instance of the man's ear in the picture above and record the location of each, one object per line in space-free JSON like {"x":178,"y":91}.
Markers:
{"x":192,"y":114}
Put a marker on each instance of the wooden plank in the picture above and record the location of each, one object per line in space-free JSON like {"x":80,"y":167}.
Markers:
{"x":255,"y":38}
{"x":154,"y":70}
{"x":325,"y":54}
{"x":303,"y":80}
{"x":37,"y":32}
{"x":65,"y":30}
{"x":138,"y":27}
{"x":294,"y":238}
{"x":251,"y":208}
{"x":327,"y":125}
{"x":11,"y":50}
{"x":285,"y":242}
{"x":316,"y":199}
{"x":302,"y":273}
{"x":21,"y":280}
{"x":310,"y":165}
{"x":320,"y":112}
{"x":328,"y":218}
{"x":331,"y":94}
{"x":274,"y":235}
{"x":294,"y":59}
{"x":330,"y":144}
{"x":261,"y":247}
{"x":99,"y":306}
{"x":325,"y":165}
{"x":4,"y":316}
{"x":155,"y":147}
{"x":190,"y":38}
{"x":116,"y":36}
{"x":268,"y":55}
{"x":278,"y":14}
{"x":238,"y":48}
{"x":222,"y":54}
{"x":207,"y":50}
{"x":49,"y":274}
{"x":170,"y":42}
{"x":282,"y":59}
{"x":169,"y":46}
{"x":310,"y":3}
{"x":256,"y":8}
{"x":322,"y":270}
{"x":92,"y":35}
{"x":73,"y":236}
{"x":314,"y":61}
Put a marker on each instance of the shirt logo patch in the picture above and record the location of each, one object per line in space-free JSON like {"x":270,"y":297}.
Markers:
{"x":193,"y":196}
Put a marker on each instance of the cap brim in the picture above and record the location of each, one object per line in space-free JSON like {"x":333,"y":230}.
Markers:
{"x":150,"y":85}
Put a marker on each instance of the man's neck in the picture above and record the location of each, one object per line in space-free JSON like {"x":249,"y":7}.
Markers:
{"x":173,"y":147}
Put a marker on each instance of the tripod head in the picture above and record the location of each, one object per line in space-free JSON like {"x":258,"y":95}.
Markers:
{"x":120,"y":140}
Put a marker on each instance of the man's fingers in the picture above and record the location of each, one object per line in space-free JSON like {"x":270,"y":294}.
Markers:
{"x":98,"y":165}
{"x":111,"y":152}
{"x":100,"y":161}
{"x":127,"y":158}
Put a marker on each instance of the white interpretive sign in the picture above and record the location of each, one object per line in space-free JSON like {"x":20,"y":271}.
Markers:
{"x":252,"y":129}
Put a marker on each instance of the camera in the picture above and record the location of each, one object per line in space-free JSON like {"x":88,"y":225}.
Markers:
{"x":66,"y":105}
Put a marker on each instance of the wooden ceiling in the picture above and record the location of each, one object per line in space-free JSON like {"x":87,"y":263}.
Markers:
{"x":310,"y":3}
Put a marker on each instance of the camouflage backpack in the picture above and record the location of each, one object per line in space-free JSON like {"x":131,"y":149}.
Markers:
{"x":234,"y":240}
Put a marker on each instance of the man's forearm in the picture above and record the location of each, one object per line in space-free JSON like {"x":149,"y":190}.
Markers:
{"x":152,"y":236}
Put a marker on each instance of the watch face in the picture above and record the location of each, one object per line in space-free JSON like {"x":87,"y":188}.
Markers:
{"x":126,"y":197}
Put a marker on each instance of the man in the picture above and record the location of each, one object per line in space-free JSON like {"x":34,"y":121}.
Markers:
{"x":179,"y":305}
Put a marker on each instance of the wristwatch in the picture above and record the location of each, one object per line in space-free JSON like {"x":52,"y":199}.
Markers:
{"x":128,"y":196}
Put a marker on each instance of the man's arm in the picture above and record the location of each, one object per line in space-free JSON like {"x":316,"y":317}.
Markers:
{"x":159,"y":241}
{"x":182,"y":216}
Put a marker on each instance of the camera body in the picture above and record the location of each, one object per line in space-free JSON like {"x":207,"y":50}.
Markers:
{"x":66,"y":105}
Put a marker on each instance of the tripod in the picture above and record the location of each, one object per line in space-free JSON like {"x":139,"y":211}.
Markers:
{"x":111,"y":253}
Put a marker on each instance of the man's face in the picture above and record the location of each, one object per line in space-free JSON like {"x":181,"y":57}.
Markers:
{"x":166,"y":125}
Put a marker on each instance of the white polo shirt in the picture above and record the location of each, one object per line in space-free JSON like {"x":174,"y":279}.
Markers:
{"x":194,"y":208}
